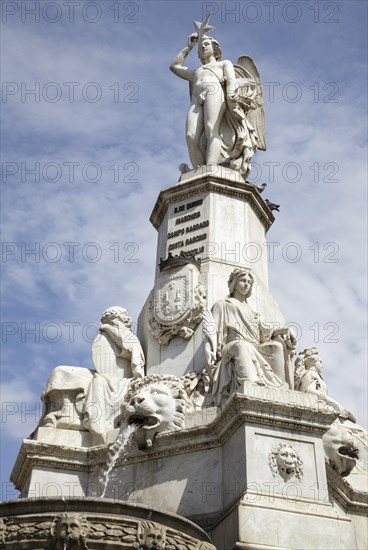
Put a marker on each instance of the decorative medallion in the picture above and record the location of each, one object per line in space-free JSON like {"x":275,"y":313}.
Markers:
{"x":69,"y":531}
{"x":285,"y":461}
{"x":178,"y":303}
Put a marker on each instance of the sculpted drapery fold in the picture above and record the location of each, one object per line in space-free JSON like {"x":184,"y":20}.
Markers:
{"x":245,"y":348}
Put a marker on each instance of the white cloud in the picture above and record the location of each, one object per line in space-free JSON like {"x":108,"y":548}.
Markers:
{"x":21,"y":409}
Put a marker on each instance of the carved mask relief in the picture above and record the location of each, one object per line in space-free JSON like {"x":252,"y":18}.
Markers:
{"x":2,"y":531}
{"x":285,"y":461}
{"x":151,"y":536}
{"x":70,"y":531}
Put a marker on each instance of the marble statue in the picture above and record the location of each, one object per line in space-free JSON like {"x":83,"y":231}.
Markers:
{"x":197,"y":385}
{"x":69,"y":531}
{"x":116,"y":350}
{"x":64,"y":397}
{"x":285,"y":461}
{"x":151,"y":536}
{"x":241,"y":346}
{"x":308,"y":378}
{"x":344,"y":441}
{"x":76,"y":398}
{"x":158,"y":403}
{"x":117,"y":356}
{"x":225,"y":122}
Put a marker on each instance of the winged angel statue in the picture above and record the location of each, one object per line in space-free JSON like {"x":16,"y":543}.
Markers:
{"x":225,"y":123}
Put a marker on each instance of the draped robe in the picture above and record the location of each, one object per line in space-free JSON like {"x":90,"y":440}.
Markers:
{"x":117,"y":356}
{"x":245,"y":350}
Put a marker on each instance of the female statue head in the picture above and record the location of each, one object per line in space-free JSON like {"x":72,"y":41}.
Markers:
{"x":307,"y":360}
{"x":235,"y":275}
{"x":310,"y":358}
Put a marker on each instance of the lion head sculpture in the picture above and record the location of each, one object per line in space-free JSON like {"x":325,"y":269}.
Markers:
{"x":157,"y":404}
{"x":340,"y":448}
{"x":285,"y":461}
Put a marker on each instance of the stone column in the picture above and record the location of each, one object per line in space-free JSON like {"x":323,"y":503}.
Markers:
{"x":195,"y":219}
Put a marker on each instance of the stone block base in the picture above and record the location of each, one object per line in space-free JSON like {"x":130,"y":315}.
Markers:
{"x":40,"y":524}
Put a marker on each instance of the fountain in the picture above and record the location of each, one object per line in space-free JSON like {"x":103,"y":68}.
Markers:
{"x":233,"y":445}
{"x":116,"y":450}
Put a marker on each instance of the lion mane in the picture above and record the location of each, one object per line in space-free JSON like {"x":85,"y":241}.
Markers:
{"x":156,"y":404}
{"x":340,"y":448}
{"x":272,"y":458}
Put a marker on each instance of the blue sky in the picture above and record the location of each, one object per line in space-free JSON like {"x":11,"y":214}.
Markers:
{"x":104,"y":132}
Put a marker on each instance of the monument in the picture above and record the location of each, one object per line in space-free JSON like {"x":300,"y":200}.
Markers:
{"x":208,"y":429}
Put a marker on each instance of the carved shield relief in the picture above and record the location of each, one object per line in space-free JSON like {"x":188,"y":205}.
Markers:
{"x":178,"y":302}
{"x":172,"y":298}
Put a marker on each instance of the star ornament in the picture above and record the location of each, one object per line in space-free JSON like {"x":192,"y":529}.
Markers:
{"x":203,"y":28}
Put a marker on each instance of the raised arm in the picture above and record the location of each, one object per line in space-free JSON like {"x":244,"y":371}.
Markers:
{"x":177,"y":66}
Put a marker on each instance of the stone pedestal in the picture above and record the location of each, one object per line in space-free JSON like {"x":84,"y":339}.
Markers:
{"x":221,"y":221}
{"x":96,"y":524}
{"x":219,"y":473}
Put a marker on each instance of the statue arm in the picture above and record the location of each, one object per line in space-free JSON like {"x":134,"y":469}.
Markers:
{"x":219,"y":320}
{"x":117,"y":332}
{"x":229,"y":74}
{"x":344,"y":413}
{"x":314,"y":387}
{"x":126,"y":341}
{"x":210,"y":337}
{"x":121,"y":335}
{"x":289,"y":336}
{"x":177,"y":66}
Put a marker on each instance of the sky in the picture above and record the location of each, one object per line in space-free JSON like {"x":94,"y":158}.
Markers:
{"x":93,"y":129}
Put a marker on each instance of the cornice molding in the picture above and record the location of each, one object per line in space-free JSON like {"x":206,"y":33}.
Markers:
{"x":215,"y":184}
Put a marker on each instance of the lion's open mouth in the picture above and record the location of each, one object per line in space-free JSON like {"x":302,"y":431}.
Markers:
{"x":137,"y":420}
{"x":352,"y":452}
{"x":140,"y":421}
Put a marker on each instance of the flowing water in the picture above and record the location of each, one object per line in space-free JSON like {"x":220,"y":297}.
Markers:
{"x":66,"y":542}
{"x":115,"y":450}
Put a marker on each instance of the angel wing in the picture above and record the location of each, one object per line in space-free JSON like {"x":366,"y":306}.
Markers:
{"x":249,"y":88}
{"x":210,"y":340}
